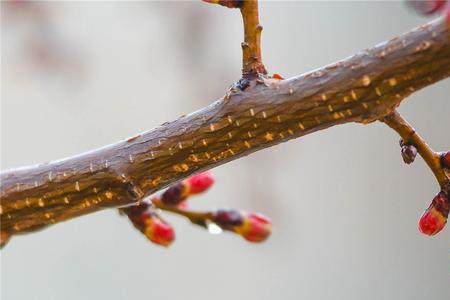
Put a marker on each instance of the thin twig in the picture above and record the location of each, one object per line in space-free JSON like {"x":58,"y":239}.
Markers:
{"x":196,"y":217}
{"x":410,"y":136}
{"x":252,"y":64}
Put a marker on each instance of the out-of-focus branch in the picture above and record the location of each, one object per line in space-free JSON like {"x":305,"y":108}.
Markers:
{"x":365,"y":87}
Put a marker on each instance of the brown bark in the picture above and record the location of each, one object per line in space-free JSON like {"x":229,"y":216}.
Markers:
{"x":363,"y":88}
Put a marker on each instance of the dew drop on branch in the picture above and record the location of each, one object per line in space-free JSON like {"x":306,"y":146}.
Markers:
{"x":213,"y":228}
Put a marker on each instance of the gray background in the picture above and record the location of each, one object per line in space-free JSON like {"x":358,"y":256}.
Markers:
{"x":79,"y":75}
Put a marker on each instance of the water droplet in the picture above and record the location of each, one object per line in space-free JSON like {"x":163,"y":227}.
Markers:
{"x":213,"y":228}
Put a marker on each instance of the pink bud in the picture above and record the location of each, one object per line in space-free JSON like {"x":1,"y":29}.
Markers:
{"x":255,"y":227}
{"x":199,"y":183}
{"x":159,"y":231}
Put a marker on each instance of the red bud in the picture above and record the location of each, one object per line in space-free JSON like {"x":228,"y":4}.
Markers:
{"x":199,"y":183}
{"x":255,"y":227}
{"x":158,"y":231}
{"x":435,"y":217}
{"x":431,"y":222}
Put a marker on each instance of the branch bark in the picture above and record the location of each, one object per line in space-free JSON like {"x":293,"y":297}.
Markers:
{"x":363,"y":88}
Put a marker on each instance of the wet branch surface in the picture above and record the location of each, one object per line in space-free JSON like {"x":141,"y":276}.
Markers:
{"x":363,"y":88}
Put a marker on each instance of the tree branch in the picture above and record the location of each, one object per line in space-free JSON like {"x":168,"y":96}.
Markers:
{"x":363,"y":88}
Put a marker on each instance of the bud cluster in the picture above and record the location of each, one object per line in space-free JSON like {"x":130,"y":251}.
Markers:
{"x":253,"y":227}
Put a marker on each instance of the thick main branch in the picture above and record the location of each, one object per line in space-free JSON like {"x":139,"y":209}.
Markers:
{"x":362,"y":88}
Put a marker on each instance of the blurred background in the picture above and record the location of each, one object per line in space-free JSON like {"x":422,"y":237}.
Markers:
{"x":79,"y":75}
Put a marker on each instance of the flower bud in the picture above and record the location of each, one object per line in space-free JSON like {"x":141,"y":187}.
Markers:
{"x":431,"y":222}
{"x":435,"y":217}
{"x":199,"y":183}
{"x":227,"y":218}
{"x":255,"y":227}
{"x":445,"y":160}
{"x":174,"y":194}
{"x":158,"y":231}
{"x":409,"y":153}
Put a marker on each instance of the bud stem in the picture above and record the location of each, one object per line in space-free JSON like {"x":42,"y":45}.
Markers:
{"x":196,"y":217}
{"x":410,"y":136}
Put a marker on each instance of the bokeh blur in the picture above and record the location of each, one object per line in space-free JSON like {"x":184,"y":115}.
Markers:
{"x":79,"y":75}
